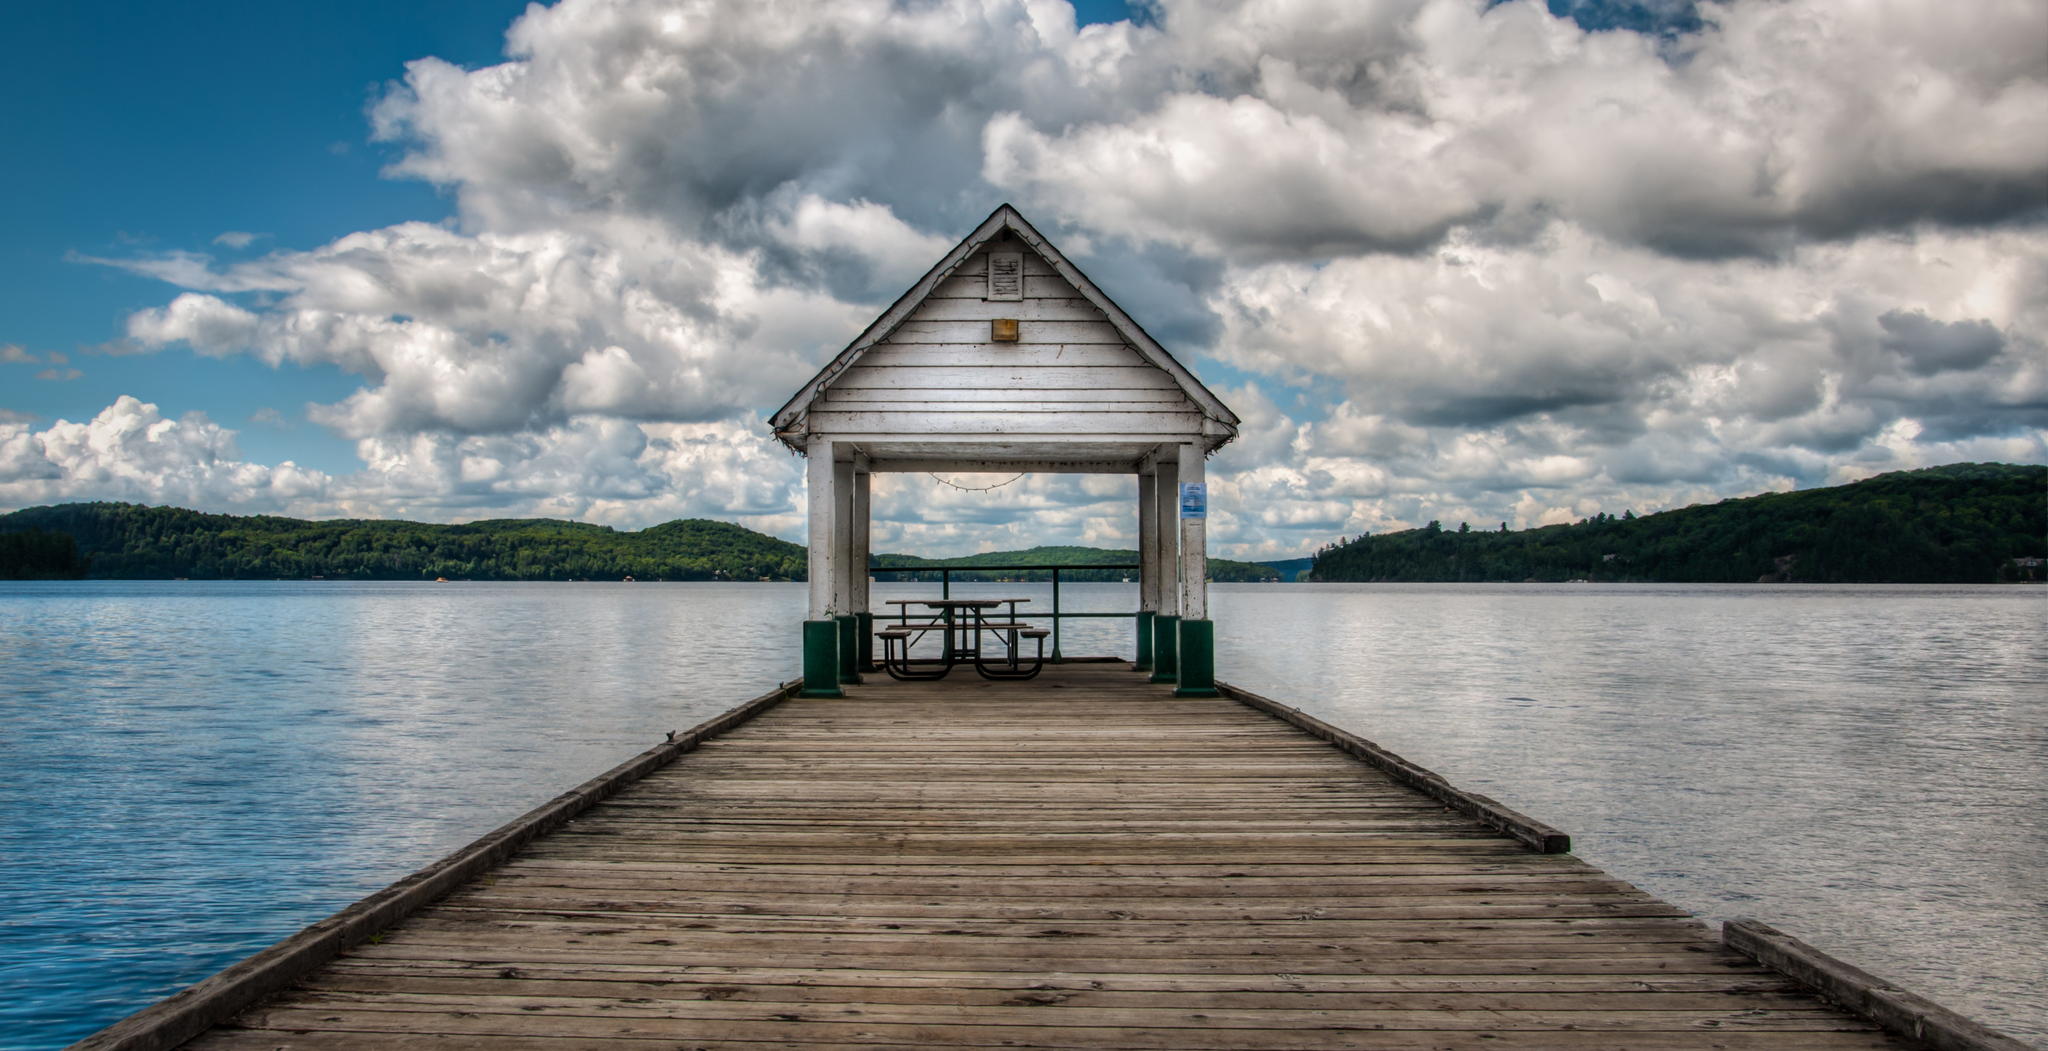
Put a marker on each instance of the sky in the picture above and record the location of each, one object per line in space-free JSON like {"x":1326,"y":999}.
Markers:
{"x":1450,"y":260}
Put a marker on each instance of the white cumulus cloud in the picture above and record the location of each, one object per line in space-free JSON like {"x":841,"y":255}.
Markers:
{"x":1459,"y":259}
{"x":131,"y":451}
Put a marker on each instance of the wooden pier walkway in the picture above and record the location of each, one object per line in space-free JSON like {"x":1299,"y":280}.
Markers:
{"x":1082,"y":861}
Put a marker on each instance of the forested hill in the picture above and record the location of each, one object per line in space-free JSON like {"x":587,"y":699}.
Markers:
{"x":1219,"y":568}
{"x":1964,"y":523}
{"x":130,"y":541}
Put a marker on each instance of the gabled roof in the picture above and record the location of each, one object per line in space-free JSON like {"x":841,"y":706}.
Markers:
{"x":1004,"y":218}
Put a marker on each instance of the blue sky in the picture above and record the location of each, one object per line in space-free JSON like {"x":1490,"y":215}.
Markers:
{"x":161,"y":127}
{"x":1451,"y":259}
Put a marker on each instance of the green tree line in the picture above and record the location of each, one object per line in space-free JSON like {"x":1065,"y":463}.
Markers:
{"x":914,"y":568}
{"x":1963,"y":523}
{"x":132,"y":541}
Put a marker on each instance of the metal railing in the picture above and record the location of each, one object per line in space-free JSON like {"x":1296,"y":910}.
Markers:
{"x":946,"y":587}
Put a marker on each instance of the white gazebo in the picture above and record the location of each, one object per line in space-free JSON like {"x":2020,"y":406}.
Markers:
{"x":1005,"y":357}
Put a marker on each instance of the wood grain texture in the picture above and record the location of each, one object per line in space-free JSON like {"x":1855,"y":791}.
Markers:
{"x":1082,"y":861}
{"x":1089,"y":419}
{"x":1020,"y":354}
{"x":1052,"y":379}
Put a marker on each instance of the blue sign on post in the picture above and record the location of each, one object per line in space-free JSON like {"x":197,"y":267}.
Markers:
{"x":1194,"y":500}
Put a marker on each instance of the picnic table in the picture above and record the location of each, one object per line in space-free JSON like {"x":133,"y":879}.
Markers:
{"x":963,"y":623}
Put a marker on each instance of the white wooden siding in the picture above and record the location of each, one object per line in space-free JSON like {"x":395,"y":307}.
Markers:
{"x":1041,"y":331}
{"x":966,"y":381}
{"x":1062,"y":310}
{"x":1012,"y":421}
{"x":1011,"y":355}
{"x":1069,"y":375}
{"x":1043,"y":285}
{"x":1015,"y":397}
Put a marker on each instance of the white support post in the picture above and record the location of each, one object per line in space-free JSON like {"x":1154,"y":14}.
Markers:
{"x":823,"y":561}
{"x":1165,"y":566}
{"x":844,"y":512}
{"x":842,"y":537}
{"x":861,"y":596}
{"x":821,"y":630}
{"x":1166,"y":558}
{"x":1148,"y":570}
{"x":1194,"y":541}
{"x":857,"y":567}
{"x":1197,"y":669}
{"x":1148,"y":543}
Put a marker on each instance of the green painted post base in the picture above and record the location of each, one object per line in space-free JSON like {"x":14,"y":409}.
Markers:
{"x":1165,"y":644}
{"x":866,"y":628}
{"x":1197,"y":659}
{"x":1144,"y":662}
{"x":821,"y":659}
{"x":849,"y":647}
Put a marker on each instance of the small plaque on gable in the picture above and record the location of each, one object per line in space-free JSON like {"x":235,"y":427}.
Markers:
{"x":1006,"y":276}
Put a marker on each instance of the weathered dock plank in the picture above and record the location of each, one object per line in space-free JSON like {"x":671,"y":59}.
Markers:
{"x":1078,"y":862}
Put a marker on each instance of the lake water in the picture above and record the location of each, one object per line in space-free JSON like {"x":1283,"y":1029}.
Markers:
{"x":190,"y":771}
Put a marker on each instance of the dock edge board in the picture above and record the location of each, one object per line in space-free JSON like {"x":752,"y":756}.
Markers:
{"x":1536,"y":835}
{"x":196,"y":1008}
{"x":1862,"y":993}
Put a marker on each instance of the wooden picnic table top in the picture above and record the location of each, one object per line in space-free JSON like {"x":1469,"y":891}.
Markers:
{"x":953,"y":603}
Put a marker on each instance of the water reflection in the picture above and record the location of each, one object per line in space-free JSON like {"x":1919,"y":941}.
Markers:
{"x":193,"y":770}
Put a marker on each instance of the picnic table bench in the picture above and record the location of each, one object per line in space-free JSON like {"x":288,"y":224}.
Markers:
{"x":964,"y":622}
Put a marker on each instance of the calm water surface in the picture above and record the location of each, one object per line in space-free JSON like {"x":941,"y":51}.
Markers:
{"x":189,"y":771}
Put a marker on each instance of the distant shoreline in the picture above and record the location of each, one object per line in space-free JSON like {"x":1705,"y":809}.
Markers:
{"x":1958,"y":524}
{"x":112,"y":541}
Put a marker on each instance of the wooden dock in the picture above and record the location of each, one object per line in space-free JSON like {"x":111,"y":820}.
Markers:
{"x":1082,"y":861}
